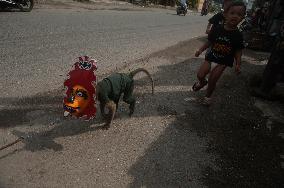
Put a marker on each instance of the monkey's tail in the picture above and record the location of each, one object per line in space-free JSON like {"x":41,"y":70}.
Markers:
{"x":133,"y":73}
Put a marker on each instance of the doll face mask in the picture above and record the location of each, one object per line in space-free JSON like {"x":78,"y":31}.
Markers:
{"x":79,"y":100}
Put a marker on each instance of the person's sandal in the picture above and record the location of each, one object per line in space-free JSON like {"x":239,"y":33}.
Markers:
{"x":207,"y":101}
{"x":197,"y":85}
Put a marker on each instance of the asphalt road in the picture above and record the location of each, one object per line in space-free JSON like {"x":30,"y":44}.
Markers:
{"x":37,"y":48}
{"x":170,"y":141}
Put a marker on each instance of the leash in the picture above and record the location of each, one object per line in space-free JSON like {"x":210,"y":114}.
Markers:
{"x":24,"y":138}
{"x":12,"y":143}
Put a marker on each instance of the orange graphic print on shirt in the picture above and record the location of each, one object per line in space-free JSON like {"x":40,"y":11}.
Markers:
{"x":222,"y":47}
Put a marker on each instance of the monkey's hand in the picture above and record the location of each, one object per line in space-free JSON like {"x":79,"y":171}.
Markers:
{"x":106,"y":126}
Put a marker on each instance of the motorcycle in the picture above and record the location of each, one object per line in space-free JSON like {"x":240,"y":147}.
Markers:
{"x":181,"y":9}
{"x":23,"y":5}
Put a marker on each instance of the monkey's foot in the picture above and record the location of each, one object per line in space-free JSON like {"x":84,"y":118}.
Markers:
{"x":106,"y":126}
{"x":131,"y":108}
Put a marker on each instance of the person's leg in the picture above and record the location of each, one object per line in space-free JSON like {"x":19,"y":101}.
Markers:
{"x":203,"y":71}
{"x":201,"y":75}
{"x":214,"y":76}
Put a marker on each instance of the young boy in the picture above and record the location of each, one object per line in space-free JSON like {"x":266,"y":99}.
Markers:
{"x":217,"y":19}
{"x":225,"y":44}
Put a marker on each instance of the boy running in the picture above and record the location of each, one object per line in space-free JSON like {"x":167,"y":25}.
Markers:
{"x":225,"y":44}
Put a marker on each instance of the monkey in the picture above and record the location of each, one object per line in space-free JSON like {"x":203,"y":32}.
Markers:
{"x":110,"y":89}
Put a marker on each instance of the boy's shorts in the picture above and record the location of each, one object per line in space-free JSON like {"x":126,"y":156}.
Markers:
{"x":211,"y":58}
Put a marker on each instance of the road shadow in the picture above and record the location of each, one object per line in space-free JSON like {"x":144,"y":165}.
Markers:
{"x":234,"y":131}
{"x":249,"y":151}
{"x":43,"y":103}
{"x":172,"y":85}
{"x":43,"y":113}
{"x":174,"y":159}
{"x":44,"y":139}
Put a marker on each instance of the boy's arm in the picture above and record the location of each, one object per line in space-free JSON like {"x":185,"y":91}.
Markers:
{"x":202,"y":48}
{"x":238,"y":56}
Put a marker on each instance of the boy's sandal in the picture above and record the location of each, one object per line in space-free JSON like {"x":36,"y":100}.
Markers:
{"x":207,"y":101}
{"x":197,"y":85}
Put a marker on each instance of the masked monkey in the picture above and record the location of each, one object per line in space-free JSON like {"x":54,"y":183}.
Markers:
{"x":82,"y":91}
{"x":80,"y":85}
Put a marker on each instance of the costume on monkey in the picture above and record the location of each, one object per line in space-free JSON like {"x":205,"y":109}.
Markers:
{"x":82,"y":91}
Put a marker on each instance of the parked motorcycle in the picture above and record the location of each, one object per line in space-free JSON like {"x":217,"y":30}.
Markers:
{"x":23,"y":5}
{"x":181,"y":9}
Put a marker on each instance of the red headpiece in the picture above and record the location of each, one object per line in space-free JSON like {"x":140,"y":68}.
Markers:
{"x":80,"y":89}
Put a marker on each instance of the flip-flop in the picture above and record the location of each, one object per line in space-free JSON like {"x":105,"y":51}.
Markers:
{"x":207,"y":101}
{"x":197,"y":86}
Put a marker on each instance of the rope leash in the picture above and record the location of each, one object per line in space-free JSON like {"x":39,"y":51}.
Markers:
{"x":12,"y":143}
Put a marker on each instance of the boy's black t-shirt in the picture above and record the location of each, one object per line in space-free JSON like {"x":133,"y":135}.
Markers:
{"x":224,"y":45}
{"x":217,"y":19}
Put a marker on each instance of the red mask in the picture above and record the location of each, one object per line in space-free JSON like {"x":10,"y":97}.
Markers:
{"x":79,"y":100}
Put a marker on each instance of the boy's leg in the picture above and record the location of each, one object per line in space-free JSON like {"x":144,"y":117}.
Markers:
{"x":203,"y":71}
{"x":215,"y":74}
{"x":201,"y":75}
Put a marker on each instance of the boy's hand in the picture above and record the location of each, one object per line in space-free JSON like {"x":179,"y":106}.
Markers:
{"x":238,"y":68}
{"x":197,"y":53}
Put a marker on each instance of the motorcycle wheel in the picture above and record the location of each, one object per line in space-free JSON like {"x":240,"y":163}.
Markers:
{"x":26,"y":5}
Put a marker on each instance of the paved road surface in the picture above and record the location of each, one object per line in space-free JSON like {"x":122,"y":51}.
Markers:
{"x":169,"y":142}
{"x":37,"y":48}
